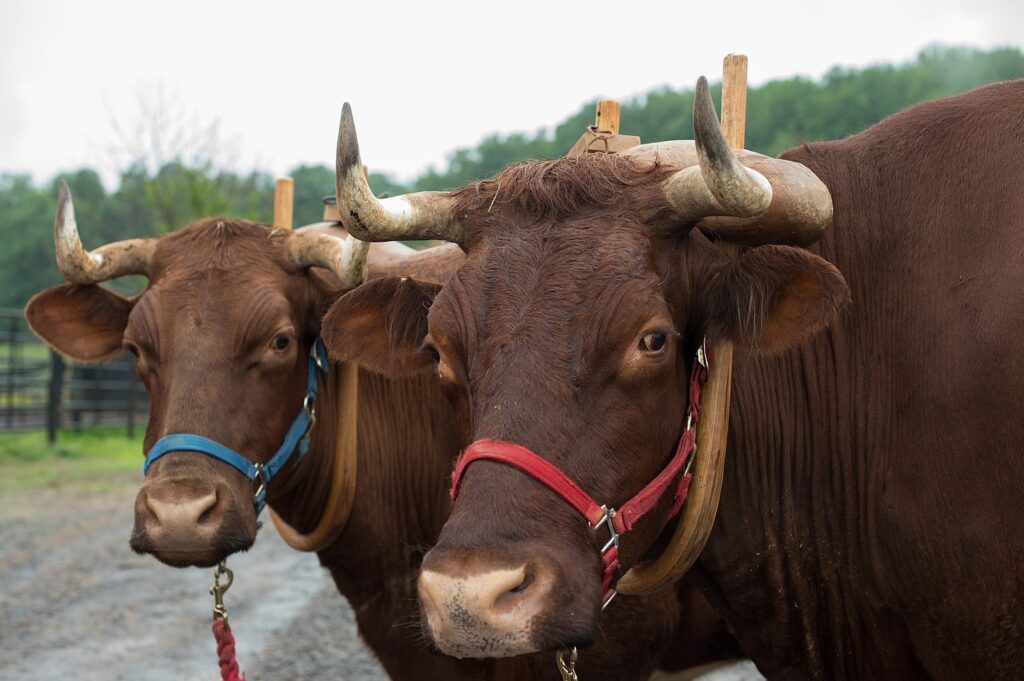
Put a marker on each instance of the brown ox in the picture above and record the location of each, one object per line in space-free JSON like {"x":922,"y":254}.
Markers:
{"x":221,"y":334}
{"x":870,"y":524}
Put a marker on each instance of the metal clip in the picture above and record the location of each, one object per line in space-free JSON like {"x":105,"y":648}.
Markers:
{"x":566,"y":661}
{"x":218,"y":590}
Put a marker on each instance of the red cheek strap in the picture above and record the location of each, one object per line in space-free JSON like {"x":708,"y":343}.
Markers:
{"x":619,"y":521}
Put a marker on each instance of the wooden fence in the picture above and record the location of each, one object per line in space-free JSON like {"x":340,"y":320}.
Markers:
{"x":40,"y":389}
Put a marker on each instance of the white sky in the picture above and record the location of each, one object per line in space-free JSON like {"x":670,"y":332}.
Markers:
{"x":423,"y":77}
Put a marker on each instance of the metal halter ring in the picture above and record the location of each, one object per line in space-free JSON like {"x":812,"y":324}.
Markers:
{"x":702,"y":353}
{"x":309,"y":406}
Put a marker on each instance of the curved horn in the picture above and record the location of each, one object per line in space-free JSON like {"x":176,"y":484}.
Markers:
{"x":80,"y":266}
{"x":718,"y":185}
{"x":345,"y":257}
{"x":744,"y":196}
{"x":421,"y":215}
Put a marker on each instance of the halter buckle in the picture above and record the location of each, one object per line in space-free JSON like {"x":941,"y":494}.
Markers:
{"x":259,"y":480}
{"x":606,"y":519}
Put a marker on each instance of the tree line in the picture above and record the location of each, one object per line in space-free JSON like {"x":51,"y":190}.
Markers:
{"x":150,"y":201}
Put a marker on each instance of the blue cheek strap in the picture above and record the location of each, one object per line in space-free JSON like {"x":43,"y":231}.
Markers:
{"x":296,"y":439}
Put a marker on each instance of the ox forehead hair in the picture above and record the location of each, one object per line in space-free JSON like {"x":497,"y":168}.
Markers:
{"x":220,"y":242}
{"x":188,"y":263}
{"x":567,"y":187}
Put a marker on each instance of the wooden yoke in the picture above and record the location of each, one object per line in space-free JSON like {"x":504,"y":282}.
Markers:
{"x":603,"y":137}
{"x":698,"y":516}
{"x":342,"y":490}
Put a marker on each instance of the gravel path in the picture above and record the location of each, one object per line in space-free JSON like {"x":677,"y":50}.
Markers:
{"x":75,"y":602}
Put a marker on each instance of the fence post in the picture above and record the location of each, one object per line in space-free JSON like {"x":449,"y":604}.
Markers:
{"x":131,"y":403}
{"x":12,"y":338}
{"x":54,"y":396}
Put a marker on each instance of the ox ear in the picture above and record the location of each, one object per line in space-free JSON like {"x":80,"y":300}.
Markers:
{"x":381,"y":326}
{"x":84,"y":322}
{"x":773,"y":298}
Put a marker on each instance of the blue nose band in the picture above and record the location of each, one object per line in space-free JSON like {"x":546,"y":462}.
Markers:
{"x":295,"y":440}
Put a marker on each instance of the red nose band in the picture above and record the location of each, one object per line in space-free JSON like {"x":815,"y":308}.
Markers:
{"x":619,"y":521}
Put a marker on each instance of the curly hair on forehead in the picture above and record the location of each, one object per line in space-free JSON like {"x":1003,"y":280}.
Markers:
{"x":567,"y":187}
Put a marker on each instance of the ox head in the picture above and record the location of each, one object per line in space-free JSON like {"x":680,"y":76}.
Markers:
{"x":220,"y":337}
{"x":570,"y":330}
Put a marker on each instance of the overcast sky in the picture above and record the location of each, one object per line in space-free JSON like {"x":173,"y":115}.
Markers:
{"x":423,"y":77}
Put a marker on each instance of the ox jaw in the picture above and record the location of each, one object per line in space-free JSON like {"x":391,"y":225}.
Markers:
{"x":481,"y":615}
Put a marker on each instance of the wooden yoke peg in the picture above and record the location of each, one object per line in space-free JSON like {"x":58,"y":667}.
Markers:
{"x":603,"y":137}
{"x":284,"y":202}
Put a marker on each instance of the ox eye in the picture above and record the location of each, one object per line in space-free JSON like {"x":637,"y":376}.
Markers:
{"x":281,"y":342}
{"x":653,"y":342}
{"x":432,"y":352}
{"x":132,"y":349}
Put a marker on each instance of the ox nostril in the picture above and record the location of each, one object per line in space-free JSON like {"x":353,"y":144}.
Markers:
{"x":523,"y":585}
{"x":211,"y":504}
{"x":508,"y":590}
{"x":488,"y":594}
{"x":182,"y":511}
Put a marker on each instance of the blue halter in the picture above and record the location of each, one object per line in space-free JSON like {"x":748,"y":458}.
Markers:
{"x":259,"y":473}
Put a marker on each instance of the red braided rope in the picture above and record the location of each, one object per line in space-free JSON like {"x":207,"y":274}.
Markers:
{"x":226,"y":651}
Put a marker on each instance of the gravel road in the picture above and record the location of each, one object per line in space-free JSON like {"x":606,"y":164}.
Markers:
{"x":75,"y":602}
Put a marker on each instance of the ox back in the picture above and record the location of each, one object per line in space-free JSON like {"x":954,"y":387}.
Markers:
{"x":871,"y":523}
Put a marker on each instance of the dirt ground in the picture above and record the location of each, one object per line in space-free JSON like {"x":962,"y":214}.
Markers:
{"x":75,"y":602}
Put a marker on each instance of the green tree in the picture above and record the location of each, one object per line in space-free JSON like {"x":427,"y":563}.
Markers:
{"x":174,"y":173}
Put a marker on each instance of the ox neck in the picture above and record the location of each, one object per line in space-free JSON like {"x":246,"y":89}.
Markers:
{"x":406,"y":442}
{"x":790,"y":498}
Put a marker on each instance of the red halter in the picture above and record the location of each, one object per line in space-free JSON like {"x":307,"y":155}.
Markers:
{"x":618,"y":521}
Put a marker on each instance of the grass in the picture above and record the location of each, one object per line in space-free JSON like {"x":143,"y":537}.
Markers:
{"x":23,"y":351}
{"x":92,"y":459}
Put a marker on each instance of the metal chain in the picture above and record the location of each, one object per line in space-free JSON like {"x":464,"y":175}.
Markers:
{"x":566,"y":661}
